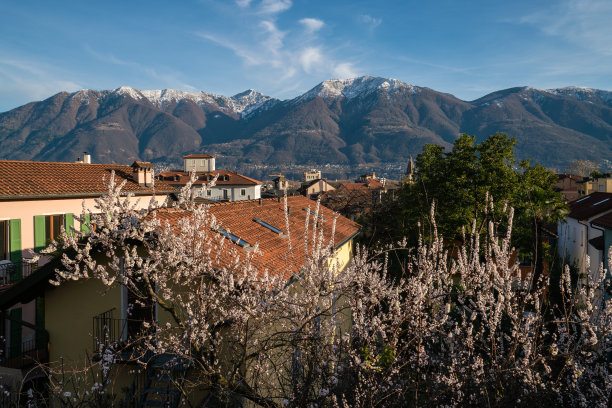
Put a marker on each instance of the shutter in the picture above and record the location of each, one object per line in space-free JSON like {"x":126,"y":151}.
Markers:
{"x":39,"y":233}
{"x":86,"y":223}
{"x":15,"y":240}
{"x":15,"y":247}
{"x":16,"y":335}
{"x":69,"y":223}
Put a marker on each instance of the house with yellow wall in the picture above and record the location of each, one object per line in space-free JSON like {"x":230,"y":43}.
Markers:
{"x":101,"y":314}
{"x":37,"y":200}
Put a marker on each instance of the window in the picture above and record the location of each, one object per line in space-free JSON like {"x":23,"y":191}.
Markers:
{"x":225,"y":194}
{"x":53,"y":224}
{"x":48,"y":227}
{"x":4,"y":240}
{"x":10,"y":240}
{"x":243,"y":191}
{"x":208,"y":193}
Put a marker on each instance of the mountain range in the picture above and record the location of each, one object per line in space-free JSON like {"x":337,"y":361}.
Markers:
{"x":367,"y":120}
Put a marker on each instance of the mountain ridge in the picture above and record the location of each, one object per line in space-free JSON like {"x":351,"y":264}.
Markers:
{"x":354,"y":121}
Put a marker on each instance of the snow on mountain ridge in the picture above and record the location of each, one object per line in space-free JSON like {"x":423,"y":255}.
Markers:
{"x":351,"y":88}
{"x":242,"y":103}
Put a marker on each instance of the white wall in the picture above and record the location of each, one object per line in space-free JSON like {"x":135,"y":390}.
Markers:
{"x":234,"y":193}
{"x":573,"y":242}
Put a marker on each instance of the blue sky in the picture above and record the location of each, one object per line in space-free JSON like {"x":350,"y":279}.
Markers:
{"x":285,"y":47}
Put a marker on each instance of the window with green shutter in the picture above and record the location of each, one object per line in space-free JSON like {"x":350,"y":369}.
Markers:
{"x":39,"y":233}
{"x":69,"y":223}
{"x":85,"y":226}
{"x":15,"y":239}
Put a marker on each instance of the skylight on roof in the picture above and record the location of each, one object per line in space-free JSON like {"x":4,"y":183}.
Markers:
{"x":268,"y":226}
{"x":602,"y":201}
{"x":583,"y":198}
{"x":312,"y":213}
{"x":235,"y":239}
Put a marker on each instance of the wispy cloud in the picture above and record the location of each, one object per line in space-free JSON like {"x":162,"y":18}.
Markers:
{"x":286,"y":55}
{"x":371,"y":22}
{"x":25,"y":80}
{"x":165,"y":79}
{"x":274,"y":6}
{"x":585,"y":23}
{"x":243,"y":3}
{"x":312,"y":24}
{"x":345,"y":70}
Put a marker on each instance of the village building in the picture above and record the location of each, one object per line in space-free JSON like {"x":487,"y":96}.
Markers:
{"x":228,"y":186}
{"x":580,"y":234}
{"x":37,"y":201}
{"x":100,"y":314}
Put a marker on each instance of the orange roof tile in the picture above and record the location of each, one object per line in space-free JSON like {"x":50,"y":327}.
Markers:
{"x":237,"y":217}
{"x":21,"y":180}
{"x":234,"y":179}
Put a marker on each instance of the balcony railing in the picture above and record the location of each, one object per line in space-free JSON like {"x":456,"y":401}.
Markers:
{"x":12,"y":272}
{"x":27,"y":354}
{"x":108,"y":330}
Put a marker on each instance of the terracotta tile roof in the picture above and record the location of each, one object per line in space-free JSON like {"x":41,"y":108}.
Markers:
{"x":226,"y":178}
{"x":21,"y":180}
{"x":590,"y":206}
{"x":198,"y":156}
{"x":238,"y":218}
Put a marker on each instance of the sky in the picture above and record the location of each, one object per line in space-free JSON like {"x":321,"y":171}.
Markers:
{"x":283,"y":48}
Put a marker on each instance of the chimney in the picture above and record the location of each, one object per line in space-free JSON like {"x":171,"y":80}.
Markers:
{"x":86,"y":158}
{"x":142,"y":173}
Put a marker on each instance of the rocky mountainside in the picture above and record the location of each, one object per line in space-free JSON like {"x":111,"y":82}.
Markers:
{"x":362,"y":120}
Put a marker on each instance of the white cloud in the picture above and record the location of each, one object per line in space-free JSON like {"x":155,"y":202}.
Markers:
{"x":311,"y":58}
{"x":243,"y":3}
{"x":274,"y":6}
{"x":345,"y":70}
{"x":312,"y":24}
{"x":285,"y":55}
{"x":372,"y":22}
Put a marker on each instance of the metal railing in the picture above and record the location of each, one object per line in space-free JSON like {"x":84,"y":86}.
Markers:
{"x":29,"y":353}
{"x":11,"y":272}
{"x":108,"y":330}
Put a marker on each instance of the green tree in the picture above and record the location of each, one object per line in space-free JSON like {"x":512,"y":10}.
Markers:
{"x":463,"y":181}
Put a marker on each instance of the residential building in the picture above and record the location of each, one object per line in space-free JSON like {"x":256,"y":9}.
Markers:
{"x":602,"y":184}
{"x":578,"y":236}
{"x":567,"y":185}
{"x":95,"y":318}
{"x":229,"y":185}
{"x":354,"y":199}
{"x":315,"y":188}
{"x":37,"y":200}
{"x":310,"y":175}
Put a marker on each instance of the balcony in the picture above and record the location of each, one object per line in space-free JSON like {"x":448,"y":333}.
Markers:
{"x":12,"y":272}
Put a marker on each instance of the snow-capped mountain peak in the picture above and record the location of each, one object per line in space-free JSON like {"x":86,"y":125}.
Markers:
{"x":351,"y":88}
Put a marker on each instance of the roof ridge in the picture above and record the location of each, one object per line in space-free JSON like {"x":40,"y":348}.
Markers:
{"x":71,"y":163}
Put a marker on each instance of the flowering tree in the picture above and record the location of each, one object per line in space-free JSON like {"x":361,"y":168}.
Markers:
{"x":456,"y":329}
